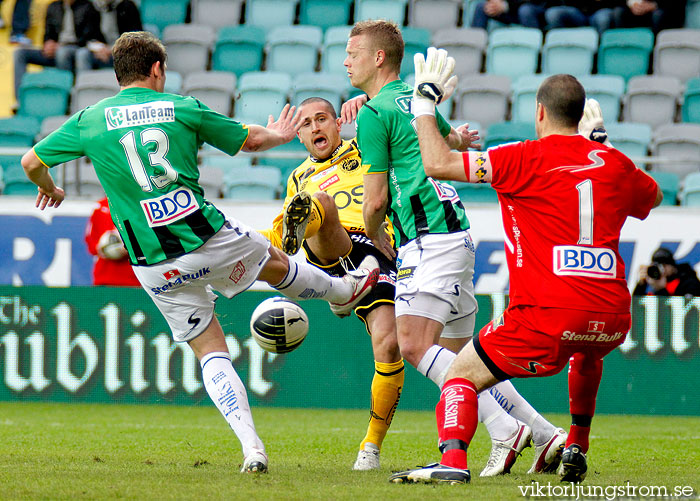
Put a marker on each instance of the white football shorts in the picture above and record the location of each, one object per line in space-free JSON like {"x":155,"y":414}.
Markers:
{"x":182,"y":287}
{"x":434,"y":280}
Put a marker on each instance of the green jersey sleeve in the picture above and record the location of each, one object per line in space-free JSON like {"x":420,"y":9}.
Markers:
{"x":373,"y":140}
{"x":221,"y":131}
{"x":62,"y":145}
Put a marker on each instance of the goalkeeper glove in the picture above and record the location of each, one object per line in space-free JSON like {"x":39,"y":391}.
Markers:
{"x":591,"y":125}
{"x":434,"y":81}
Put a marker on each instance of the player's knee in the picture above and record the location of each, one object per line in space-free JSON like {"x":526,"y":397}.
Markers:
{"x":326,"y":201}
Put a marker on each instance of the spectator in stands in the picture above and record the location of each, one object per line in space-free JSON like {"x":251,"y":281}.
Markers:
{"x":575,"y":13}
{"x":503,"y":11}
{"x":20,"y":23}
{"x":70,"y":24}
{"x":112,"y":265}
{"x":531,"y":14}
{"x":658,"y":16}
{"x":665,"y":277}
{"x":116,"y":17}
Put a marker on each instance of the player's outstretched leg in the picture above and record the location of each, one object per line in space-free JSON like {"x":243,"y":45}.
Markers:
{"x":294,"y":221}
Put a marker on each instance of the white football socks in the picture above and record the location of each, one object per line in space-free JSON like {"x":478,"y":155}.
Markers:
{"x":305,"y":281}
{"x":227,"y":392}
{"x":499,"y":424}
{"x":435,"y":364}
{"x":514,"y":404}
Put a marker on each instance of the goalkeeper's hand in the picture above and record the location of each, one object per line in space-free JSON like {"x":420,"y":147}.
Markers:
{"x":591,"y":125}
{"x":434,"y":80}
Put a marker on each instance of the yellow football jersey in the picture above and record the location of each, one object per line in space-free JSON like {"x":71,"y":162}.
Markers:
{"x":341,"y":176}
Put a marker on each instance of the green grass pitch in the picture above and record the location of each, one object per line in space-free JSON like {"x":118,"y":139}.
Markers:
{"x":81,"y":451}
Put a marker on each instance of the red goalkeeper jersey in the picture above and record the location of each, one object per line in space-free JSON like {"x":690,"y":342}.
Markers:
{"x":563,"y":202}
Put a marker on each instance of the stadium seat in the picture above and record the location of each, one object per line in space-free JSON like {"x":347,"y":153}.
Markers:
{"x":50,"y":124}
{"x":677,"y":53}
{"x":471,"y":193}
{"x":524,"y":91}
{"x":293,"y":49}
{"x":324,"y":13}
{"x":484,"y":97}
{"x":213,"y":158}
{"x":392,"y":10}
{"x":16,"y":181}
{"x":81,"y":180}
{"x":569,"y":50}
{"x":466,"y":45}
{"x":211,"y":179}
{"x":513,"y":51}
{"x":652,"y":99}
{"x":285,"y":157}
{"x":632,"y":139}
{"x":252,"y":183}
{"x":45,"y":93}
{"x":415,"y":40}
{"x":692,"y":14}
{"x":18,"y":131}
{"x":217,"y":13}
{"x":161,"y":13}
{"x":238,"y":49}
{"x":607,"y":90}
{"x":333,"y":51}
{"x":188,"y":46}
{"x":668,"y":182}
{"x":262,"y":93}
{"x":690,"y":193}
{"x":508,"y":132}
{"x":173,"y":84}
{"x":270,"y":13}
{"x":329,"y":86}
{"x":679,"y":146}
{"x":691,"y":101}
{"x":213,"y":88}
{"x":93,"y":86}
{"x":625,"y":52}
{"x":434,"y":15}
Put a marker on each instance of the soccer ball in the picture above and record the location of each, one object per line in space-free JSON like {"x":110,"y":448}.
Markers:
{"x":279,"y":325}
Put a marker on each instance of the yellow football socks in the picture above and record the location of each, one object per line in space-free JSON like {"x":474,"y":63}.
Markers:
{"x":386,"y":391}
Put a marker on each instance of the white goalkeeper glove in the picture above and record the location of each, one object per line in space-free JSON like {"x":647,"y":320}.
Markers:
{"x":591,"y":125}
{"x":434,"y":81}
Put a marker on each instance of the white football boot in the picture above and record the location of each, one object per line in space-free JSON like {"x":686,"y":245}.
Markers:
{"x":367,"y":458}
{"x":504,"y":453}
{"x":255,"y":462}
{"x":548,"y":455}
{"x":363,"y":279}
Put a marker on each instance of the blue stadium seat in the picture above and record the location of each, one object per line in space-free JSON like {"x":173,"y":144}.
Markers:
{"x":668,"y":182}
{"x":569,"y":50}
{"x":252,"y":183}
{"x":513,"y":51}
{"x":285,"y":157}
{"x":393,"y":10}
{"x":19,"y":131}
{"x":270,"y":13}
{"x":161,"y":13}
{"x":293,"y":49}
{"x":238,"y":49}
{"x":333,"y":51}
{"x":690,"y":194}
{"x":325,"y":13}
{"x":692,"y":14}
{"x":16,"y":181}
{"x":632,"y":139}
{"x":415,"y":40}
{"x":45,"y":93}
{"x":262,"y":93}
{"x":625,"y":52}
{"x":329,"y":86}
{"x":524,"y":92}
{"x":471,"y":193}
{"x":508,"y":132}
{"x":691,"y":101}
{"x":607,"y":90}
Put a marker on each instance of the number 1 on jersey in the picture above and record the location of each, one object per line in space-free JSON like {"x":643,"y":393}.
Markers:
{"x":156,"y":158}
{"x":585,"y":212}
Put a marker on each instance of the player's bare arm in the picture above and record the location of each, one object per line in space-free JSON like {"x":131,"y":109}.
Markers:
{"x":276,"y":133}
{"x":49,"y":195}
{"x":461,"y":138}
{"x":374,"y":206}
{"x":438,"y":161}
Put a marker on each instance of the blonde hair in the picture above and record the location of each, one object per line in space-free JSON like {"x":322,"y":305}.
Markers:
{"x":383,"y":35}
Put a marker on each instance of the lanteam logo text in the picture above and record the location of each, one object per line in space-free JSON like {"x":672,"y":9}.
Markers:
{"x":119,"y":117}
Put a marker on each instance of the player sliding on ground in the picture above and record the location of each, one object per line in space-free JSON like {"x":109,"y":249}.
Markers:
{"x":434,"y":290}
{"x":143,"y":144}
{"x":564,"y":199}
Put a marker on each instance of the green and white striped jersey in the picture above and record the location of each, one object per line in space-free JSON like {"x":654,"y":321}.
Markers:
{"x":143,"y":145}
{"x":388,"y":143}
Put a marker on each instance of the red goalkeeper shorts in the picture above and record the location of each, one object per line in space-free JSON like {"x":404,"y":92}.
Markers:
{"x":532,"y":341}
